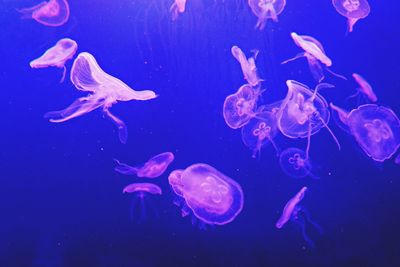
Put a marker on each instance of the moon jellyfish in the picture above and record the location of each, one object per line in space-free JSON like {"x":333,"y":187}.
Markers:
{"x":240,"y":107}
{"x":104,"y":91}
{"x":295,"y":163}
{"x":375,"y":128}
{"x":259,"y":131}
{"x":213,"y":198}
{"x":153,"y":168}
{"x":353,"y":10}
{"x":177,"y":7}
{"x":248,"y":66}
{"x":304,"y":113}
{"x":266,"y":9}
{"x":299,"y":215}
{"x":365,"y":88}
{"x":315,"y":54}
{"x":57,"y":55}
{"x":52,"y":13}
{"x":141,"y":191}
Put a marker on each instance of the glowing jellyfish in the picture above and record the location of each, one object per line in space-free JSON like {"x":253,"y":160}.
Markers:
{"x":375,"y":128}
{"x":52,"y":13}
{"x":57,"y":55}
{"x":295,"y":163}
{"x":248,"y":66}
{"x":365,"y":88}
{"x":299,"y":215}
{"x":177,"y":7}
{"x":303,"y":113}
{"x":105,"y":90}
{"x":315,"y":54}
{"x":153,"y":168}
{"x":212,"y":197}
{"x":240,"y":107}
{"x":353,"y":10}
{"x":260,"y":131}
{"x":266,"y":9}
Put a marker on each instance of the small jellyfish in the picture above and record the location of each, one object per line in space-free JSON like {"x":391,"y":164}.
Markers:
{"x":57,"y":55}
{"x":295,"y":163}
{"x":240,"y":107}
{"x":177,"y":7}
{"x":52,"y":13}
{"x":365,"y":88}
{"x":213,"y":198}
{"x":153,"y":168}
{"x":259,"y":131}
{"x":299,"y":215}
{"x":266,"y":9}
{"x":248,"y":66}
{"x":104,"y":91}
{"x":315,"y":54}
{"x":353,"y":10}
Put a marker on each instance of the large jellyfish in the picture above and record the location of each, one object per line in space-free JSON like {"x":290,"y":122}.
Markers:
{"x":375,"y":128}
{"x":212,"y":197}
{"x":248,"y":66}
{"x":57,"y":55}
{"x":299,"y":215}
{"x":315,"y":54}
{"x":153,"y":168}
{"x":266,"y":9}
{"x":365,"y":88}
{"x":104,"y":91}
{"x":52,"y":13}
{"x":295,"y":163}
{"x":178,"y":6}
{"x":240,"y":107}
{"x":303,"y":112}
{"x":353,"y":10}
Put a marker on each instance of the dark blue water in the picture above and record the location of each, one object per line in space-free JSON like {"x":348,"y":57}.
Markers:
{"x":60,"y":199}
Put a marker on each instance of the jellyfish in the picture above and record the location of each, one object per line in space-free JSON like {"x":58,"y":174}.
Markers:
{"x":52,"y":13}
{"x":295,"y":163}
{"x":153,"y":168}
{"x":315,"y":54}
{"x":266,"y":9}
{"x":212,"y":197}
{"x":57,"y":56}
{"x":104,"y":91}
{"x":353,"y":10}
{"x":260,"y":130}
{"x":248,"y":66}
{"x":240,"y":107}
{"x":375,"y":128}
{"x":303,"y":113}
{"x":365,"y":88}
{"x":299,"y":215}
{"x":177,"y":7}
{"x":141,"y":191}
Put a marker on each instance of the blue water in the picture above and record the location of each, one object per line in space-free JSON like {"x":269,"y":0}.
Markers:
{"x":61,"y":202}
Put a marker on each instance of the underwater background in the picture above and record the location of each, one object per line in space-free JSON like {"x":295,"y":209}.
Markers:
{"x":61,"y":201}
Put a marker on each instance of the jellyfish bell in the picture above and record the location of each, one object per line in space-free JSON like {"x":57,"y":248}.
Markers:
{"x":266,"y":9}
{"x":52,"y":13}
{"x":248,"y":66}
{"x":365,"y":88}
{"x":295,"y":163}
{"x":353,"y":10}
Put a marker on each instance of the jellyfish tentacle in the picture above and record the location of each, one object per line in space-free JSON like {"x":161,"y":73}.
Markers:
{"x":300,"y":55}
{"x":336,"y":74}
{"x":125,"y":168}
{"x":63,"y":75}
{"x":122,"y":129}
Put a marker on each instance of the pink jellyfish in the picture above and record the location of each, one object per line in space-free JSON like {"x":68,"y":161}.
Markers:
{"x":375,"y":128}
{"x":353,"y":10}
{"x":299,"y":215}
{"x":104,"y":91}
{"x":266,"y":9}
{"x":295,"y":163}
{"x":212,"y":197}
{"x":315,"y":54}
{"x":52,"y":13}
{"x":248,"y":66}
{"x":365,"y":88}
{"x":240,"y":107}
{"x":153,"y":168}
{"x":177,"y":7}
{"x":57,"y":55}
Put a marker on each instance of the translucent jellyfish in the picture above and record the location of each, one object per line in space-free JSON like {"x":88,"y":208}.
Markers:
{"x":141,"y":191}
{"x":57,"y":55}
{"x":177,"y":7}
{"x":153,"y":168}
{"x":212,"y":197}
{"x":365,"y":88}
{"x":375,"y":128}
{"x":303,"y":113}
{"x":240,"y":107}
{"x":266,"y":9}
{"x":299,"y":215}
{"x":104,"y":91}
{"x":353,"y":10}
{"x":260,"y":131}
{"x":295,"y":163}
{"x":52,"y":13}
{"x":248,"y":66}
{"x":315,"y":54}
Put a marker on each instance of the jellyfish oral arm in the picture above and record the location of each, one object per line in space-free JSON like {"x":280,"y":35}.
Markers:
{"x":300,"y":55}
{"x":125,"y":168}
{"x":122,"y":129}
